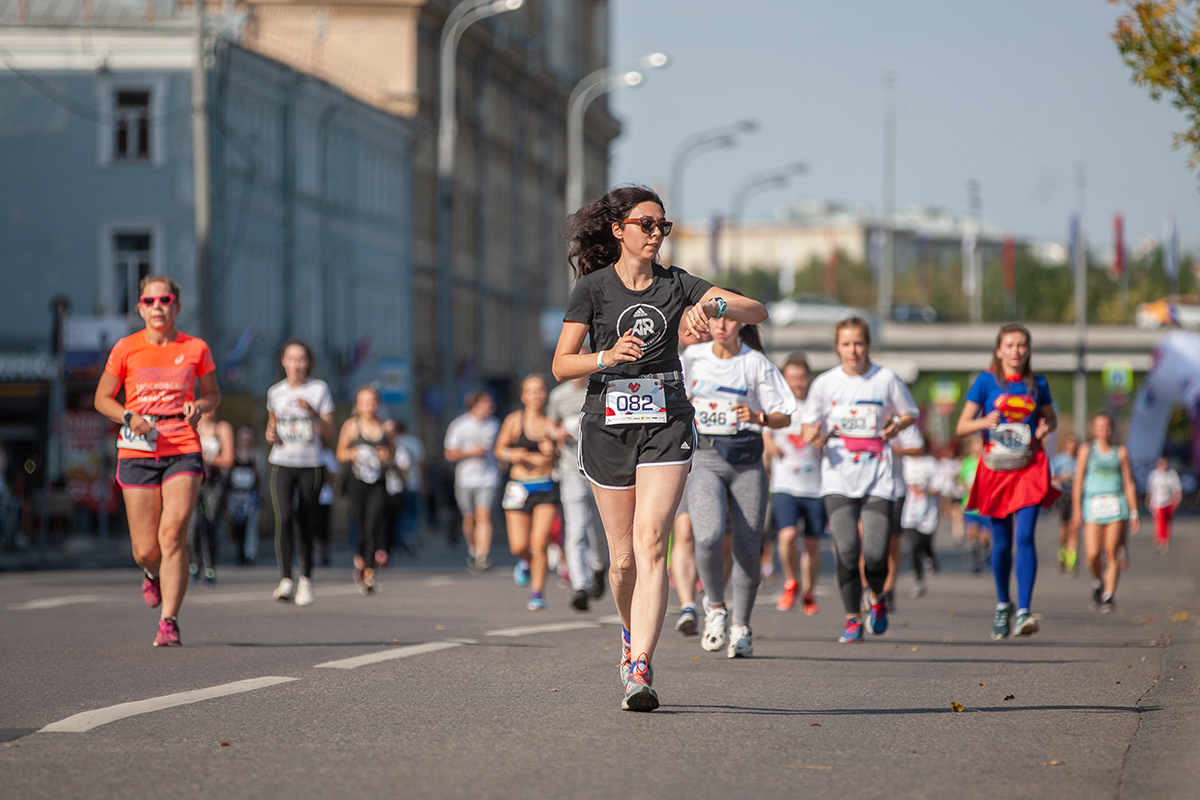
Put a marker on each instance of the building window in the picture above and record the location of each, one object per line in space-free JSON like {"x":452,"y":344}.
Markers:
{"x":133,"y":259}
{"x":131,"y":125}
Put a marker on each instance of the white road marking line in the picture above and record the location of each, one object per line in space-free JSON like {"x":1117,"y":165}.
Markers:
{"x":553,"y":627}
{"x":81,"y":723}
{"x":392,"y":653}
{"x":440,"y":580}
{"x":56,"y":602}
{"x":196,"y":597}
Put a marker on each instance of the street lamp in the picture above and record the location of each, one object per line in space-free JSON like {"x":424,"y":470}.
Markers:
{"x":769,"y":179}
{"x":458,"y":20}
{"x":597,"y":83}
{"x":704,"y":141}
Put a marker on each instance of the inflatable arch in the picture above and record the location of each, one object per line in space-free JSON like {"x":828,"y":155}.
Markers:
{"x":1173,"y":380}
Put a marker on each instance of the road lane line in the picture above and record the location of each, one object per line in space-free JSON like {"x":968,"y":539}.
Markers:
{"x":81,"y":723}
{"x":197,"y":598}
{"x":553,"y":627}
{"x":56,"y":602}
{"x":392,"y":653}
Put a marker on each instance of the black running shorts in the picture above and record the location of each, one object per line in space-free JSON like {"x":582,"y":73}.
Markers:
{"x":141,"y":473}
{"x":609,"y":455}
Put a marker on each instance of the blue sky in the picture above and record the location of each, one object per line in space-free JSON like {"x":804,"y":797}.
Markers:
{"x":1012,"y":94}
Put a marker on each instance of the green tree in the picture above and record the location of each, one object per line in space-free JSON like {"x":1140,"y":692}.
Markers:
{"x":1160,"y":41}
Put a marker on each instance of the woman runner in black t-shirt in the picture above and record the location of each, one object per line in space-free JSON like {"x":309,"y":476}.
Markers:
{"x":636,"y":414}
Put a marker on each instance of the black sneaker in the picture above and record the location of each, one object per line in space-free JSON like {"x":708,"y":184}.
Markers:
{"x":599,"y":579}
{"x":1108,"y":605}
{"x":1096,"y":598}
{"x":579,"y":601}
{"x":889,"y":597}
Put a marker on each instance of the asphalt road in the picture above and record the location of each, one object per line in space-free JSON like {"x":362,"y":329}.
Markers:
{"x":443,"y":685}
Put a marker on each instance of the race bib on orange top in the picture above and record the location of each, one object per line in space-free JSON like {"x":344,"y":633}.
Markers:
{"x":158,"y":380}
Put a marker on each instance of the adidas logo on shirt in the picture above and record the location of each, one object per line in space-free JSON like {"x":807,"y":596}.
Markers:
{"x":640,"y":313}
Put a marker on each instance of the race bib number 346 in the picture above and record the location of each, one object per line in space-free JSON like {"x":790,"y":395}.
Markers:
{"x":635,"y":401}
{"x":715,"y":417}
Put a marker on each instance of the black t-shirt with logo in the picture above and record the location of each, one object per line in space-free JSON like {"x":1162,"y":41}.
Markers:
{"x":602,"y":302}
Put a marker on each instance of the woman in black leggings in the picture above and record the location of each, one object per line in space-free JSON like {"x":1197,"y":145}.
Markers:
{"x":299,"y":418}
{"x":366,"y":445}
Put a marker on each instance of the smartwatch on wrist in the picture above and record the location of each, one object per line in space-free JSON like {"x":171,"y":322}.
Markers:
{"x":128,"y":417}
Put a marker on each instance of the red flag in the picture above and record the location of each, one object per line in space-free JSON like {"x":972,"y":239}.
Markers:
{"x":1118,"y":245}
{"x":1010,"y":264}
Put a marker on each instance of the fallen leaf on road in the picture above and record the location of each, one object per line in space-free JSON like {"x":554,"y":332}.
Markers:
{"x":14,"y":744}
{"x":1010,"y":697}
{"x":394,"y":639}
{"x":1181,"y":616}
{"x":1129,"y":666}
{"x":554,"y":690}
{"x":1118,"y":683}
{"x":812,"y":766}
{"x":983,"y":684}
{"x":957,"y":707}
{"x":1183,"y":666}
{"x":224,"y":744}
{"x":695,"y":658}
{"x":815,"y":725}
{"x":439,"y":627}
{"x":914,"y":649}
{"x":1053,"y":763}
{"x":947,"y":639}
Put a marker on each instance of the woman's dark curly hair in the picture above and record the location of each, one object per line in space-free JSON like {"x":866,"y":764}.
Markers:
{"x":589,"y":230}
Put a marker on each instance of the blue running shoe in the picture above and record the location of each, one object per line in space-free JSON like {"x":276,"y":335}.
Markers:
{"x":521,"y":573}
{"x":877,"y":621}
{"x":536,"y":601}
{"x":852,"y":633}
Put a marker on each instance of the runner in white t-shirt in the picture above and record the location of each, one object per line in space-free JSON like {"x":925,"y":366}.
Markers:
{"x":299,"y":418}
{"x":736,"y":392}
{"x":469,"y":442}
{"x":796,"y":494}
{"x":853,"y":411}
{"x":919,"y":518}
{"x":1163,"y":495}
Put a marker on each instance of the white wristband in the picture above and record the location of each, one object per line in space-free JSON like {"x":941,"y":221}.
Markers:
{"x":600,"y":359}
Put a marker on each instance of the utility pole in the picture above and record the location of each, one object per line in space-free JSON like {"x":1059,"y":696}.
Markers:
{"x":975,"y":199}
{"x":888,"y":267}
{"x":202,"y":190}
{"x":1080,"y":390}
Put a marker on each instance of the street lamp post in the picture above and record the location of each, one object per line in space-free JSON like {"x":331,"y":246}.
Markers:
{"x":770,"y":179}
{"x":698,"y":143}
{"x":597,"y":83}
{"x":458,"y":20}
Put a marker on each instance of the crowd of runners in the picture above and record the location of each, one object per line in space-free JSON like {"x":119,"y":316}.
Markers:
{"x":668,"y":451}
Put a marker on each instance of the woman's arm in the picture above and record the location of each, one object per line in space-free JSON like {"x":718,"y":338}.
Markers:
{"x":1077,"y":486}
{"x":970,"y":422}
{"x":343,"y":453}
{"x":1047,"y":422}
{"x":509,"y":430}
{"x":224,"y":459}
{"x":1130,"y":488}
{"x":209,"y":400}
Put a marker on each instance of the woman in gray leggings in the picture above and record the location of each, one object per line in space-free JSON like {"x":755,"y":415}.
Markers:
{"x":736,"y":392}
{"x":852,"y":412}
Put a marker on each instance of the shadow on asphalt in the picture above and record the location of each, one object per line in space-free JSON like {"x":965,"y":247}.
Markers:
{"x":858,"y":712}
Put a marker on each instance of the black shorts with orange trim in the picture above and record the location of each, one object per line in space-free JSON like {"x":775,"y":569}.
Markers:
{"x":143,"y":473}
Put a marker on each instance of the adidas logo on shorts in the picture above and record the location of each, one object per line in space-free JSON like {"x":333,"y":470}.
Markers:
{"x":685,"y":446}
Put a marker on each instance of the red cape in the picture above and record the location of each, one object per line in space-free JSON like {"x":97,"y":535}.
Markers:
{"x":998,"y":494}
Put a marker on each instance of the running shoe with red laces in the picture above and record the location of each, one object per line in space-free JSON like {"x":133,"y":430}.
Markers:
{"x":639,"y":695}
{"x":168,"y":634}
{"x":788,"y":598}
{"x":810,"y":604}
{"x":151,"y":592}
{"x":853,"y":632}
{"x":877,"y":620}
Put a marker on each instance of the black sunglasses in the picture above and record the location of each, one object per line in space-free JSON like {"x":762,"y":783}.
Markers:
{"x":647,"y":224}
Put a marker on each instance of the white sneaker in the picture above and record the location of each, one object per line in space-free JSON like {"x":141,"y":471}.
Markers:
{"x":283,"y":592}
{"x":714,"y":629}
{"x":741,"y":641}
{"x":917,"y":591}
{"x":304,"y":592}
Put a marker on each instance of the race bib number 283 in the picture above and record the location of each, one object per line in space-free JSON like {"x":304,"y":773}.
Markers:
{"x":635,"y":401}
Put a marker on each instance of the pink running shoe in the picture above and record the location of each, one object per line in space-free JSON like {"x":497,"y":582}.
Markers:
{"x":151,"y":592}
{"x":168,"y":634}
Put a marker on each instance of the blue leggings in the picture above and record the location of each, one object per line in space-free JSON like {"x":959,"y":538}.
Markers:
{"x":1025,"y":520}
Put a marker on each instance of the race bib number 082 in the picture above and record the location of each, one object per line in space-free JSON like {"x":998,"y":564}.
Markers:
{"x":635,"y":401}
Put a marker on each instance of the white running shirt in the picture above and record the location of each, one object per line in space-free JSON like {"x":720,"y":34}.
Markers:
{"x":748,"y":378}
{"x":1161,"y":486}
{"x":881,"y":394}
{"x":299,"y":442}
{"x":466,"y":432}
{"x":798,"y":471}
